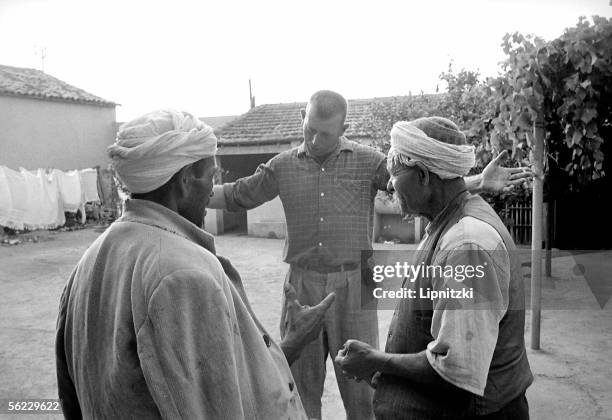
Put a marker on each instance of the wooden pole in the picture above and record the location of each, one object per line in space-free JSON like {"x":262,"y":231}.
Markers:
{"x":536,"y":232}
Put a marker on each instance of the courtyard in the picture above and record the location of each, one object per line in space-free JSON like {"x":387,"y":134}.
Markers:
{"x":573,"y":373}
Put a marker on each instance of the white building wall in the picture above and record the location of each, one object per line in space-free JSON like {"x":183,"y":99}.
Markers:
{"x":49,"y":134}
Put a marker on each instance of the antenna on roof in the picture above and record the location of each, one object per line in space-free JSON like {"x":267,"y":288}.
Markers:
{"x":42,"y":53}
{"x":251,"y":97}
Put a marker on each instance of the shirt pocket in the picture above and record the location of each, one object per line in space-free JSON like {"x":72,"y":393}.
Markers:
{"x":351,"y":195}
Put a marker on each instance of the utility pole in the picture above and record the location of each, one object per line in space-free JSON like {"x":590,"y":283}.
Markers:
{"x":42,"y":53}
{"x":251,"y":97}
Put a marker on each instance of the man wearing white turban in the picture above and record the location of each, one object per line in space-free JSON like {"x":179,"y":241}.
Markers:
{"x":152,"y":148}
{"x":152,"y":323}
{"x":461,"y":353}
{"x":327,"y":186}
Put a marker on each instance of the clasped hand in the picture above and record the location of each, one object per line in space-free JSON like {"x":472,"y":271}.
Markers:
{"x":360,"y":361}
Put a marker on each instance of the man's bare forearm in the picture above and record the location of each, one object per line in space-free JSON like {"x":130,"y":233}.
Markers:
{"x":474,"y":183}
{"x":414,"y":367}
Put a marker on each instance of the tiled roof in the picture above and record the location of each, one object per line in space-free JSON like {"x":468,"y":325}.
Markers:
{"x":31,"y":83}
{"x":282,"y":123}
{"x":215,"y":122}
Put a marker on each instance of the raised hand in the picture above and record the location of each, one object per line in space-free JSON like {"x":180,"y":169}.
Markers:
{"x":496,"y":178}
{"x":302,"y":322}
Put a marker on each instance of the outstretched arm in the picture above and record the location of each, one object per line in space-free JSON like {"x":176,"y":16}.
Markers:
{"x":248,"y":192}
{"x":217,"y":201}
{"x":495,"y":178}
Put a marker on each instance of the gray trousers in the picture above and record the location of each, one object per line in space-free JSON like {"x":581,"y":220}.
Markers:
{"x":344,"y":320}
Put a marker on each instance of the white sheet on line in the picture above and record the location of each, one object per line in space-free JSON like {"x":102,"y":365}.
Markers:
{"x":44,"y":208}
{"x":52,"y":191}
{"x":13,"y":199}
{"x":70,"y":189}
{"x":89,"y":185}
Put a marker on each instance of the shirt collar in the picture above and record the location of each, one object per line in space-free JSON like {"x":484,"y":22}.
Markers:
{"x":156,"y":215}
{"x":345,"y":144}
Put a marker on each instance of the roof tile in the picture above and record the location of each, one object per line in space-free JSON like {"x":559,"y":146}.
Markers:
{"x":19,"y":81}
{"x":282,"y":123}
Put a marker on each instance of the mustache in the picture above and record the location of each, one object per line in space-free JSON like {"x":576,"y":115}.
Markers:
{"x":404,"y":207}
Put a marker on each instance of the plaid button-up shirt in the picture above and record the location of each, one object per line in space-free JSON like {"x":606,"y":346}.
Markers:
{"x":329,"y":207}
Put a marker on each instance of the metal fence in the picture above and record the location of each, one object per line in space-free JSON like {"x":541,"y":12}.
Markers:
{"x":517,"y":217}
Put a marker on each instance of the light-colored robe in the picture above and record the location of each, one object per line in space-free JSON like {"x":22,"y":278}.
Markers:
{"x":150,"y":326}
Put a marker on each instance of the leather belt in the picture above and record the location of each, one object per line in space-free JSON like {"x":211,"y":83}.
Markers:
{"x":328,"y":269}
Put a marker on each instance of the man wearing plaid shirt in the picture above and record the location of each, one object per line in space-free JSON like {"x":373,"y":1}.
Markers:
{"x":327,"y":186}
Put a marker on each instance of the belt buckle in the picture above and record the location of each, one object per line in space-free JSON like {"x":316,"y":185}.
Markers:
{"x":348,"y":267}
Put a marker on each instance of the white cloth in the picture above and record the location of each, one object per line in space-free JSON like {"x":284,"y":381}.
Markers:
{"x":6,"y":201}
{"x":51,"y":192}
{"x":70,"y":189}
{"x":14,"y":204}
{"x":43,"y":210}
{"x":152,"y":148}
{"x":89,"y":185}
{"x":444,"y":159}
{"x":33,"y":218}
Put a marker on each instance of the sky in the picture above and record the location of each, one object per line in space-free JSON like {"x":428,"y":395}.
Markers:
{"x":198,"y":56}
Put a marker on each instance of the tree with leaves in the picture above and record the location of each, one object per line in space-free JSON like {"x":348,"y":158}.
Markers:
{"x":569,"y":82}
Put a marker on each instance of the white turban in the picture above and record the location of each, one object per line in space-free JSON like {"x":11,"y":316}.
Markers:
{"x":451,"y":158}
{"x":152,"y":148}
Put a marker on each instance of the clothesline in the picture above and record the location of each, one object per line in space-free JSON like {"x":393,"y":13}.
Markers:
{"x":38,"y":199}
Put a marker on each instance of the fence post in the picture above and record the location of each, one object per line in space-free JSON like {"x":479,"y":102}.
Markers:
{"x":549,"y":237}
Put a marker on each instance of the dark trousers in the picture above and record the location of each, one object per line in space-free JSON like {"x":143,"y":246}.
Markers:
{"x":517,"y":409}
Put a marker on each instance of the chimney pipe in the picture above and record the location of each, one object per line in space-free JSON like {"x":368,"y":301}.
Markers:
{"x":251,"y":97}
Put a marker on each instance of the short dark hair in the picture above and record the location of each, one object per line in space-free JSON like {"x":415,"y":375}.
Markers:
{"x":327,"y":103}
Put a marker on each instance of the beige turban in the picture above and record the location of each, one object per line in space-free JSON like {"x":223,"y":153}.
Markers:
{"x":152,"y":148}
{"x":435,"y":142}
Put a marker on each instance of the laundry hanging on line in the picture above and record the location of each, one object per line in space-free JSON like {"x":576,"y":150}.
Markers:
{"x":45,"y":209}
{"x":38,"y":199}
{"x":13,"y":198}
{"x":89,"y":185}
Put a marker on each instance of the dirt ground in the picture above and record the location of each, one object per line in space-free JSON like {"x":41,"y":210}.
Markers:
{"x":573,"y":372}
